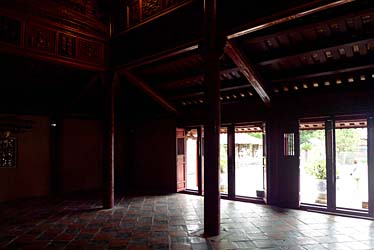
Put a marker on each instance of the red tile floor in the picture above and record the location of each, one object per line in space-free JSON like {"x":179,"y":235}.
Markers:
{"x":172,"y":222}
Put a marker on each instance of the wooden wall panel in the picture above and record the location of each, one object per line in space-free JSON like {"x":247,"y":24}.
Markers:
{"x":40,"y":39}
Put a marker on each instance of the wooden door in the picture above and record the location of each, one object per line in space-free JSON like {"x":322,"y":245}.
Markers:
{"x":181,"y":161}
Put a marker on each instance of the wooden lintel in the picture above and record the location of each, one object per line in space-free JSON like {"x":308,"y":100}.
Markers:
{"x":248,"y":71}
{"x":148,"y":90}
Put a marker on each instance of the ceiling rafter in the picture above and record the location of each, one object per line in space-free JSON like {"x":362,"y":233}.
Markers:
{"x":248,"y":71}
{"x":148,"y":90}
{"x":201,"y":93}
{"x":289,"y":18}
{"x":194,"y":80}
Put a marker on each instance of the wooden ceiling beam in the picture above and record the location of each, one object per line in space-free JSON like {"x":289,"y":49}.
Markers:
{"x":248,"y":71}
{"x":158,"y":57}
{"x":190,"y":80}
{"x":201,"y":93}
{"x":287,"y":16}
{"x":148,"y":90}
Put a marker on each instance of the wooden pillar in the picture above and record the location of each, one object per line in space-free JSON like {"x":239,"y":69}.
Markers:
{"x":109,"y":125}
{"x":212,"y":122}
{"x":371,"y":163}
{"x":231,"y":160}
{"x":330,"y":164}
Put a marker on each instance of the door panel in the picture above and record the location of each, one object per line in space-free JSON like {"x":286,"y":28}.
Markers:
{"x":181,"y":163}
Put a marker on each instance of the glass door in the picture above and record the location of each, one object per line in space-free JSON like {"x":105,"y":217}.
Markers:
{"x":351,"y":164}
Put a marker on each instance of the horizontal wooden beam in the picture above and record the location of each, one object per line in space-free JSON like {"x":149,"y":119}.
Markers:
{"x":191,"y":80}
{"x":248,"y":71}
{"x":290,"y":17}
{"x":11,"y":50}
{"x":158,"y":57}
{"x":148,"y":90}
{"x":201,"y":93}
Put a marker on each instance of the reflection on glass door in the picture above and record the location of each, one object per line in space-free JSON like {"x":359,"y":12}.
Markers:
{"x":351,"y":164}
{"x":223,"y":185}
{"x":191,"y":159}
{"x":249,"y":177}
{"x":313,"y":184}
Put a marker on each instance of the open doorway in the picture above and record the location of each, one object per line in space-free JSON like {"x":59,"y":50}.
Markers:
{"x":192,"y":159}
{"x":223,"y":162}
{"x":249,"y":159}
{"x":313,"y":178}
{"x":351,"y":164}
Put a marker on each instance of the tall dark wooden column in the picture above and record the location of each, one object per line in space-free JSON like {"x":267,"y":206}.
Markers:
{"x":371,"y":163}
{"x":213,"y":121}
{"x":330,"y":164}
{"x":109,"y":125}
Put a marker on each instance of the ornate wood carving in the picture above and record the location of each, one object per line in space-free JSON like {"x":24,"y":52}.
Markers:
{"x":66,"y":45}
{"x":150,"y":8}
{"x":41,"y":39}
{"x":90,"y":51}
{"x":10,"y":30}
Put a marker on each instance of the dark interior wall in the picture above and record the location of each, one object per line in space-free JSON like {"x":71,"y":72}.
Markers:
{"x":31,"y":176}
{"x":152,"y":163}
{"x":81,"y":155}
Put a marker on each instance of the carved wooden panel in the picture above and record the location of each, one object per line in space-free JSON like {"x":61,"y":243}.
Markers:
{"x":10,"y":30}
{"x":41,"y":39}
{"x":133,"y":12}
{"x":66,"y":45}
{"x":90,"y":51}
{"x":150,"y":8}
{"x":8,"y":152}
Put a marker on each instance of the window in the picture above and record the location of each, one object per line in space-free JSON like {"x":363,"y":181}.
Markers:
{"x":8,"y":152}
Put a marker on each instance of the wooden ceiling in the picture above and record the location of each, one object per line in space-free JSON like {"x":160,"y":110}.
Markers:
{"x":267,"y":57}
{"x":331,"y":50}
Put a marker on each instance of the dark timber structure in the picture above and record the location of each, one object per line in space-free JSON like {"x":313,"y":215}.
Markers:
{"x":106,"y":84}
